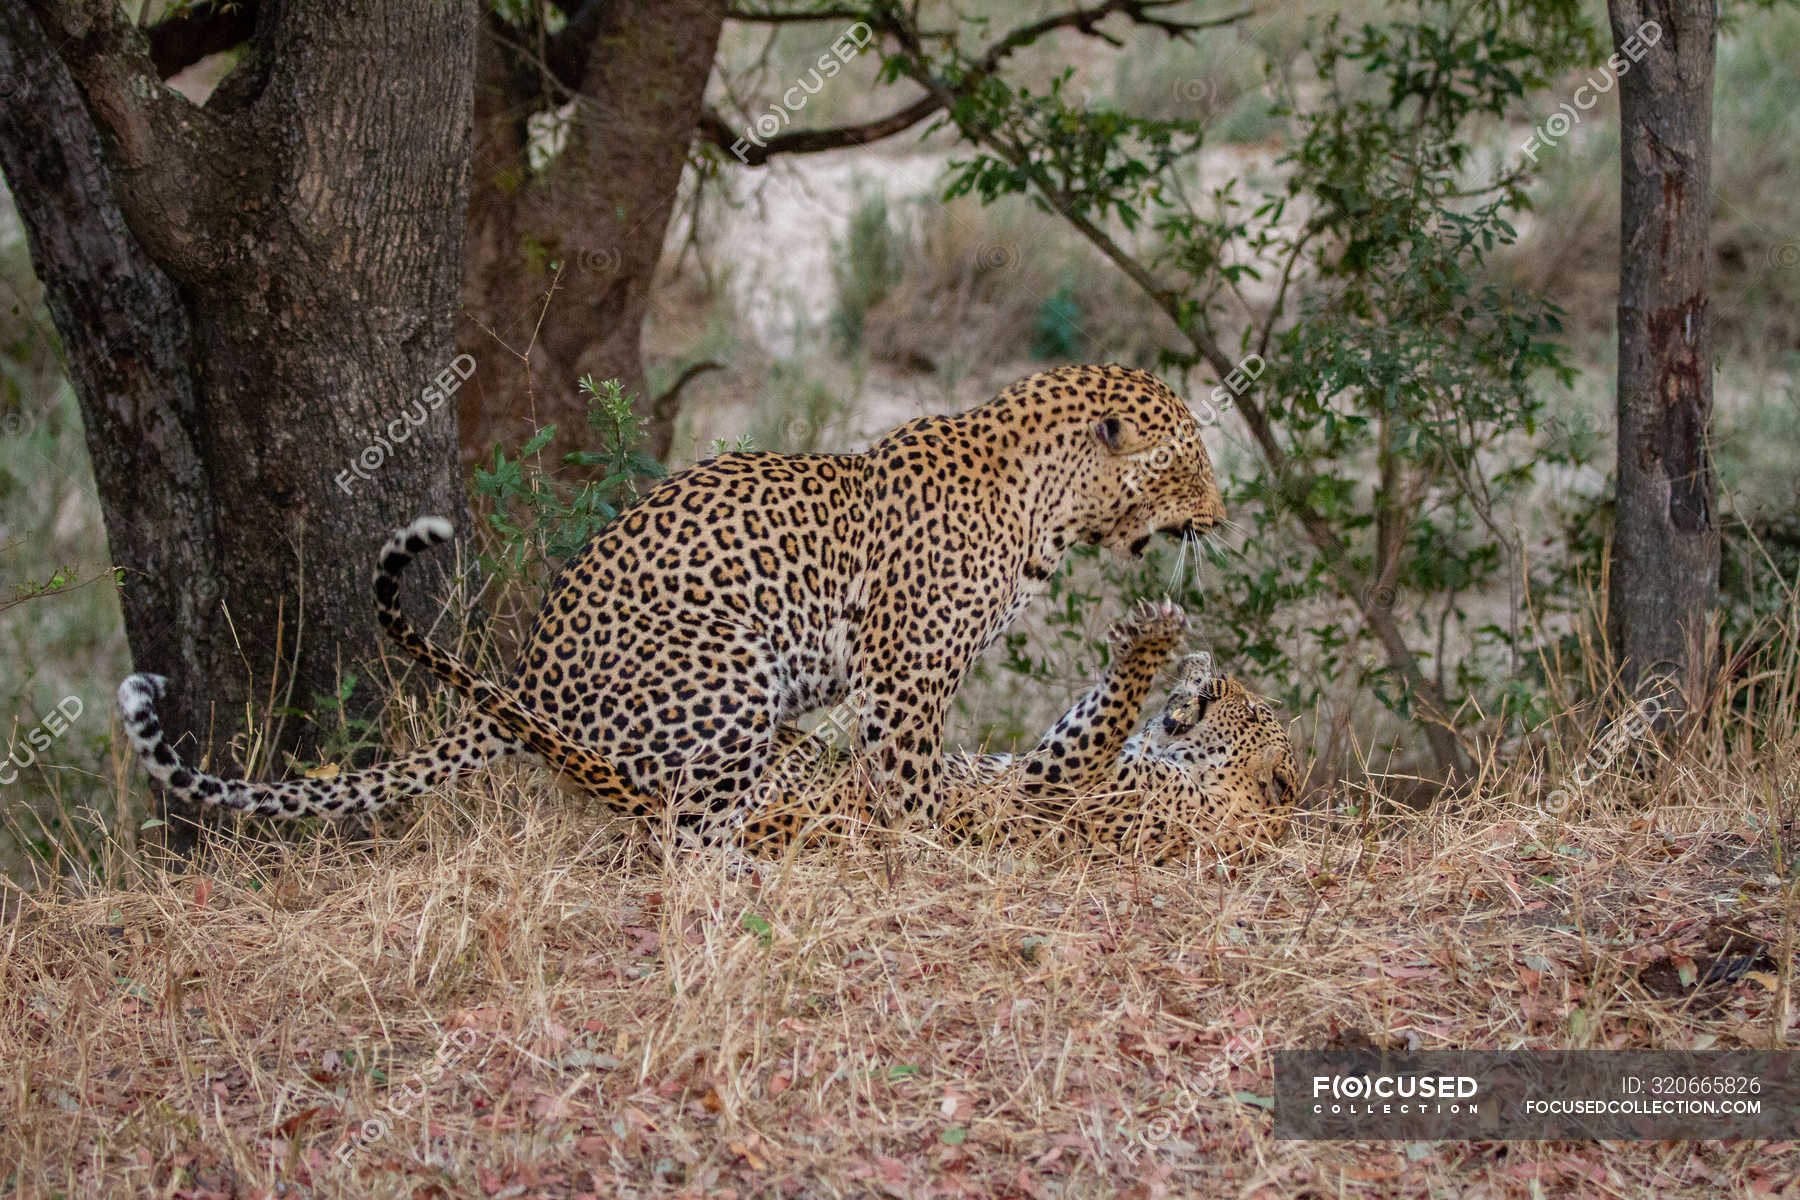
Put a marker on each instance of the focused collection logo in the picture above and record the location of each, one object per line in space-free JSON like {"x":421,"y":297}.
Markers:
{"x":1340,"y":1095}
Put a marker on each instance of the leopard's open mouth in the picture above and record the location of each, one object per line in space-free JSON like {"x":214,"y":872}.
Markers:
{"x":1193,"y":526}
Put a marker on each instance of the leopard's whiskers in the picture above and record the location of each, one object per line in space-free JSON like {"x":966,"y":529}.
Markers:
{"x":1180,"y":561}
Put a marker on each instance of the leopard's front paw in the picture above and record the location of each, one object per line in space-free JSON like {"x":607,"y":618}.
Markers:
{"x":1151,"y":631}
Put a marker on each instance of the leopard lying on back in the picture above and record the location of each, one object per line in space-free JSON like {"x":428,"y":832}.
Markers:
{"x":1215,"y":773}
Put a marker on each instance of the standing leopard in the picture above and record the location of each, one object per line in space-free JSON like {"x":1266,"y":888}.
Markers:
{"x":1216,"y":770}
{"x":671,"y":652}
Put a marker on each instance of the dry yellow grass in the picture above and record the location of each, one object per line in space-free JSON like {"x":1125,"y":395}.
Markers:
{"x":503,"y":994}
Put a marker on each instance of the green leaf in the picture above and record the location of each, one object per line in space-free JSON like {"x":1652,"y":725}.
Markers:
{"x":765,"y":932}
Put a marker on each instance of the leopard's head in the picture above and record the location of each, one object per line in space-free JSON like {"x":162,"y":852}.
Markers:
{"x":1130,"y":452}
{"x":1236,"y":736}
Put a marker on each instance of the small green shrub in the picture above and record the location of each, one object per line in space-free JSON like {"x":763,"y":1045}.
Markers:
{"x":866,"y":267}
{"x":541,"y":519}
{"x":1056,"y":332}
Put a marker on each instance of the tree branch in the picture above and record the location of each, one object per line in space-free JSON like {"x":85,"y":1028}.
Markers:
{"x":176,"y":160}
{"x":564,"y":58}
{"x":665,"y":406}
{"x":714,"y":128}
{"x":1086,"y":20}
{"x":813,"y":141}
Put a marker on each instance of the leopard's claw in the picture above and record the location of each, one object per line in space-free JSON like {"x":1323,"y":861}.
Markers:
{"x":1153,"y":627}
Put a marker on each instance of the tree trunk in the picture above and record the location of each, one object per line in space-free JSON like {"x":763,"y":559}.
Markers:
{"x":253,"y":294}
{"x":636,"y":71}
{"x":1665,"y":569}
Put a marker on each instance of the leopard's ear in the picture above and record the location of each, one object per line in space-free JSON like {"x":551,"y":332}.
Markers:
{"x":1119,"y":434}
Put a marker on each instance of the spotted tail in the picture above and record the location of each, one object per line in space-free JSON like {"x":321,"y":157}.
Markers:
{"x":579,"y":764}
{"x":472,"y":745}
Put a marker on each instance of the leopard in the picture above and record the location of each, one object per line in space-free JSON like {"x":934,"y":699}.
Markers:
{"x":672,"y":654}
{"x":1214,"y":773}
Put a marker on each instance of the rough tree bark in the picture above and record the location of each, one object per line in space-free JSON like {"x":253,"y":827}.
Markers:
{"x":251,"y":293}
{"x":1665,"y":568}
{"x":636,"y":72}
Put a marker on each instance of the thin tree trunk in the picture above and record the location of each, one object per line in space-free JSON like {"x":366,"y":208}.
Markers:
{"x":637,"y":72}
{"x":253,"y":294}
{"x":1665,"y":569}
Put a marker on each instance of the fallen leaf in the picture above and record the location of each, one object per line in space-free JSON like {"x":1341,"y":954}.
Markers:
{"x":297,"y":1120}
{"x":1685,"y":969}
